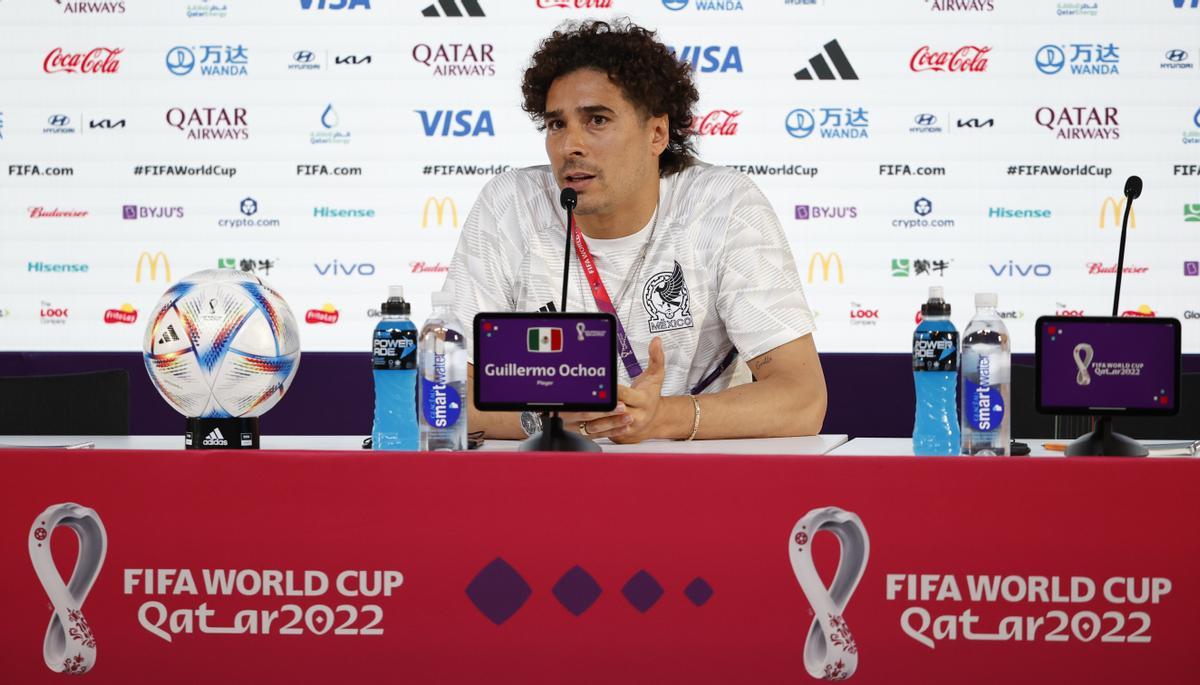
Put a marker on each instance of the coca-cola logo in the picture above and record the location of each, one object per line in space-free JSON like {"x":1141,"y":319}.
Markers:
{"x":1096,"y":269}
{"x":719,"y":122}
{"x":95,"y":61}
{"x":575,"y":4}
{"x":427,"y":268}
{"x":327,"y":314}
{"x":126,"y":314}
{"x":972,"y":58}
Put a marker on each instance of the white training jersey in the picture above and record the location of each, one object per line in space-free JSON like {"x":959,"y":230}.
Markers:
{"x":717,"y":275}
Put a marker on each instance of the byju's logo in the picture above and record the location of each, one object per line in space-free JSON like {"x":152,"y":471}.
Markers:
{"x":1085,"y":59}
{"x":331,"y":133}
{"x":59,"y":124}
{"x":335,"y":4}
{"x":708,"y":59}
{"x":1079,"y":123}
{"x":1191,"y":268}
{"x":814,"y":212}
{"x":456,"y":123}
{"x":132,"y":212}
{"x":925,"y":123}
{"x":456,"y":59}
{"x":836,"y":122}
{"x":1177,"y":59}
{"x":214,"y":60}
{"x":453,"y":8}
{"x":820,"y":67}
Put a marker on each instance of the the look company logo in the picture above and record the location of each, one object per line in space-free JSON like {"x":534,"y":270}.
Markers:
{"x":92,"y":7}
{"x":145,"y":259}
{"x":960,"y":5}
{"x":125,"y":314}
{"x":212,"y":60}
{"x":59,"y":124}
{"x":820,"y":67}
{"x":704,"y":5}
{"x":210,"y":123}
{"x":719,"y":122}
{"x":456,"y":59}
{"x":665,"y":297}
{"x":336,"y":268}
{"x":439,"y":205}
{"x":456,"y":123}
{"x":1115,"y":208}
{"x":132,"y":212}
{"x":52,"y":314}
{"x":1011,"y":269}
{"x":827,"y":261}
{"x":814,"y":212}
{"x":1177,"y":59}
{"x":453,"y":8}
{"x":709,"y":59}
{"x":327,"y":314}
{"x":331,"y":132}
{"x":863,"y":316}
{"x":1079,"y":123}
{"x":1086,"y":59}
{"x":836,"y":122}
{"x":968,"y":58}
{"x":1062,"y":309}
{"x":335,"y":4}
{"x":903,"y":268}
{"x":94,"y":61}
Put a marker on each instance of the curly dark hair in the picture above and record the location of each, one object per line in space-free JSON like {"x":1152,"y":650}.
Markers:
{"x":636,"y":62}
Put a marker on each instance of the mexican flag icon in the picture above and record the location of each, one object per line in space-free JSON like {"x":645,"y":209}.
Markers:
{"x":545,"y":340}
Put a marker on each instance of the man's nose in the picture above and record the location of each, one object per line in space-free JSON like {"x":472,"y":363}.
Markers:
{"x":573,"y":144}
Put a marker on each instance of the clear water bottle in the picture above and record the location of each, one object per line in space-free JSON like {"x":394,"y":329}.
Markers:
{"x":935,"y":376}
{"x":986,"y":369}
{"x":394,"y":360}
{"x":443,"y":380}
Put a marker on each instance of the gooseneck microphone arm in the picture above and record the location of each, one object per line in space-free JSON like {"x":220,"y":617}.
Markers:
{"x":1133,"y":189}
{"x":568,"y":199}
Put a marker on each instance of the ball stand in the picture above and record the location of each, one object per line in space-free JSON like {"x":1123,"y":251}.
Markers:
{"x":221,"y":434}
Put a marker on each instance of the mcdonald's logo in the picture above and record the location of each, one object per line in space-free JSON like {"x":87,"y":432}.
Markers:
{"x":441,"y":205}
{"x":152,"y":260}
{"x":826,"y":260}
{"x":1117,"y":206}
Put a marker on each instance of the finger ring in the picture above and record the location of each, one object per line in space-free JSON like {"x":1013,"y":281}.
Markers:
{"x":583,"y":428}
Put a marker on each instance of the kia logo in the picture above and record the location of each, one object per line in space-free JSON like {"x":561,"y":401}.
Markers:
{"x":303,"y":56}
{"x":59,"y":120}
{"x":1050,"y":59}
{"x":1177,"y":55}
{"x":800,"y":123}
{"x":925,"y":120}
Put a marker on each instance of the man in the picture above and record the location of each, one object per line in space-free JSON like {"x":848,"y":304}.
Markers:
{"x":691,"y":256}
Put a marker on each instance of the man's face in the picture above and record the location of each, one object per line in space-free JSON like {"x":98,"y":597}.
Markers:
{"x":599,"y":143}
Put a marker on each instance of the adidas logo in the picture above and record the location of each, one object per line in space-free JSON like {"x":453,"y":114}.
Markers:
{"x":821,"y":68}
{"x":168,"y":335}
{"x":450,"y":8}
{"x":215,"y":439}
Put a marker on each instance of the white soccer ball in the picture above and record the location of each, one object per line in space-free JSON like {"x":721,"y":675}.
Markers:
{"x":222,"y":344}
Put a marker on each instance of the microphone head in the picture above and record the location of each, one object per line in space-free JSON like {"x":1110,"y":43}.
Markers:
{"x":1133,"y":187}
{"x":569,"y":198}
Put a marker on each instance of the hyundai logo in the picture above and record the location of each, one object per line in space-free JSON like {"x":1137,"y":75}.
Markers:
{"x":1050,"y":59}
{"x":800,"y":123}
{"x":1176,"y":55}
{"x":59,"y":120}
{"x":925,"y":120}
{"x":303,"y":56}
{"x":180,"y":60}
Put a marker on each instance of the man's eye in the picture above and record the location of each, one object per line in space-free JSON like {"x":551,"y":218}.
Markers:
{"x":554,"y":125}
{"x":599,"y":119}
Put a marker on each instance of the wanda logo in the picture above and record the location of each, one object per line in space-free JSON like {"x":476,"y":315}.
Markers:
{"x":575,"y":4}
{"x":95,"y":61}
{"x":719,"y":122}
{"x":971,"y":58}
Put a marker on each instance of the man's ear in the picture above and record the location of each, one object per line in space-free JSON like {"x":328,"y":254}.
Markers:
{"x":660,"y":133}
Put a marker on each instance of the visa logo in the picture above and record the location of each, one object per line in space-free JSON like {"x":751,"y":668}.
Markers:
{"x":334,"y":4}
{"x":708,"y":59}
{"x":464,"y":121}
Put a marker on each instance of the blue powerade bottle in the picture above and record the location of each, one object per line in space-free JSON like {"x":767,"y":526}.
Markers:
{"x":394,"y":359}
{"x":935,"y":375}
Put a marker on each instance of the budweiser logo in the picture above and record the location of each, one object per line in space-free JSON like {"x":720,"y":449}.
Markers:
{"x":126,"y":314}
{"x":426,"y":268}
{"x":56,"y":213}
{"x":967,"y":58}
{"x":95,"y":61}
{"x":1095,"y":268}
{"x":719,"y":122}
{"x":327,"y":314}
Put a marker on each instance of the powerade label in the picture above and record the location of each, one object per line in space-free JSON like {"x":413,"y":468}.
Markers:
{"x":985,"y":407}
{"x":935,"y":351}
{"x":440,"y":403}
{"x":394,"y":348}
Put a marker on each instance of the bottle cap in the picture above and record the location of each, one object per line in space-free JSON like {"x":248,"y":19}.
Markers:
{"x":985,"y":299}
{"x":395,"y":305}
{"x":937,"y":305}
{"x":441,"y":298}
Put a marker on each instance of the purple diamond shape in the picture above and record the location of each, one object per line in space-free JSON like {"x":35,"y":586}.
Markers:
{"x":642,"y":591}
{"x":498,"y":591}
{"x":699,"y":591}
{"x":577,"y":591}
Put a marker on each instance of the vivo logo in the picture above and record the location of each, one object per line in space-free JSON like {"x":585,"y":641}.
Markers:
{"x":465,"y":123}
{"x":336,"y":268}
{"x":1014,"y":270}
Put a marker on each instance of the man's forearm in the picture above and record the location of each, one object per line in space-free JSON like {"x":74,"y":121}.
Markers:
{"x":776,"y":407}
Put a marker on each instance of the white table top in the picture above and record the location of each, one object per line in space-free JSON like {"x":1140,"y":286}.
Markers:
{"x":902,"y":447}
{"x":816,"y":444}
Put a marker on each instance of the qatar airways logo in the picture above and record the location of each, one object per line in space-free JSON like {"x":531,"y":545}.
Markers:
{"x":968,"y":58}
{"x":95,"y":61}
{"x":719,"y":122}
{"x":92,"y":7}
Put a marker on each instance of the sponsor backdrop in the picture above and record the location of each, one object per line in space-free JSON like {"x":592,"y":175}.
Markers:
{"x":335,"y":147}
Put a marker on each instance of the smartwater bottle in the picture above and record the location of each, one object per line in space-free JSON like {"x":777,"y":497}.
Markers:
{"x":935,"y":376}
{"x":443,"y":368}
{"x":394,"y":359}
{"x":986,"y":364}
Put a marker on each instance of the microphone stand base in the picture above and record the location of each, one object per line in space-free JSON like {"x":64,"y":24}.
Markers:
{"x":1104,"y":442}
{"x":554,"y":438}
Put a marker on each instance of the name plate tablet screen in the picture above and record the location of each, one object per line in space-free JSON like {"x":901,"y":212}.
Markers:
{"x":545,"y":362}
{"x":1105,"y":365}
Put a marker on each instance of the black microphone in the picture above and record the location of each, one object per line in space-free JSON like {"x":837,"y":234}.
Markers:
{"x":1133,"y":190}
{"x":568,"y":198}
